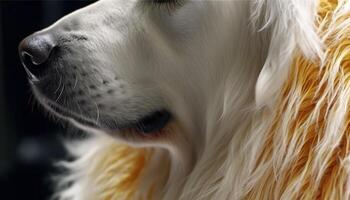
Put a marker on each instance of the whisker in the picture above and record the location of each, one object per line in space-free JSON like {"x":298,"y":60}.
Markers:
{"x":98,"y":112}
{"x":76,"y":82}
{"x":59,"y":85}
{"x":59,"y":96}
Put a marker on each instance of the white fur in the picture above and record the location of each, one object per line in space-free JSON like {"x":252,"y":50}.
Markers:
{"x":216,"y":65}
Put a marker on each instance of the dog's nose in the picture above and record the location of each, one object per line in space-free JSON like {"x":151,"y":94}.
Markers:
{"x":34,"y":52}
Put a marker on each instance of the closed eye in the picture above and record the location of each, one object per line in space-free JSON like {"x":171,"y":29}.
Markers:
{"x":168,"y":4}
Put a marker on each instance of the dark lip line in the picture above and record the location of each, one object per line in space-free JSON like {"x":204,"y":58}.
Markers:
{"x":63,"y":113}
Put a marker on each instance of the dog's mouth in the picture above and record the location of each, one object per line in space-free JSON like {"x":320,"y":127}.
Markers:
{"x":150,"y":123}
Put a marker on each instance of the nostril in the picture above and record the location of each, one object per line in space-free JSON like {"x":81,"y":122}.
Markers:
{"x":34,"y":52}
{"x":31,"y":68}
{"x":27,"y":59}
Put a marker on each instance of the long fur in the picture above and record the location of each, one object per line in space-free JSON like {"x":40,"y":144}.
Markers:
{"x":293,"y":143}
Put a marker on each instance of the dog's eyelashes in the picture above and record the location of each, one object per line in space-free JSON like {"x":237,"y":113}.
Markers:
{"x":168,"y":4}
{"x":163,"y":1}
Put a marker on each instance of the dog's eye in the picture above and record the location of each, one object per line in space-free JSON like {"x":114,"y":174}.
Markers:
{"x":169,"y":4}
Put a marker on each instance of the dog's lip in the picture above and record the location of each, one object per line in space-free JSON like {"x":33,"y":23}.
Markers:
{"x":59,"y":110}
{"x":63,"y":113}
{"x":148,"y":124}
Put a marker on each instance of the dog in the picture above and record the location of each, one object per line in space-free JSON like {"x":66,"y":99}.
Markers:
{"x":197,"y":99}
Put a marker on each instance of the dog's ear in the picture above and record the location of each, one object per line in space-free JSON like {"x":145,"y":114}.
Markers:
{"x":290,"y":26}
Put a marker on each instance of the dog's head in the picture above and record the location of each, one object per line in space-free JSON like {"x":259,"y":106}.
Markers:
{"x":131,"y":68}
{"x":179,"y":74}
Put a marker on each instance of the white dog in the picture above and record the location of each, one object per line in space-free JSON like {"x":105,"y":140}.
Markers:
{"x":190,"y":99}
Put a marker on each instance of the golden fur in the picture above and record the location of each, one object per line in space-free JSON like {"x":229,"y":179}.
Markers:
{"x":306,"y":150}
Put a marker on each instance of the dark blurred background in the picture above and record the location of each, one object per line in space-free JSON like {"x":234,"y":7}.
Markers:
{"x":29,"y":142}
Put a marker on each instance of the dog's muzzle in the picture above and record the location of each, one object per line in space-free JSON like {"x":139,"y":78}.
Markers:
{"x":51,"y":78}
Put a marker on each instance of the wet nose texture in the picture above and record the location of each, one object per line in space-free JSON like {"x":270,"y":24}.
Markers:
{"x":34,"y":52}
